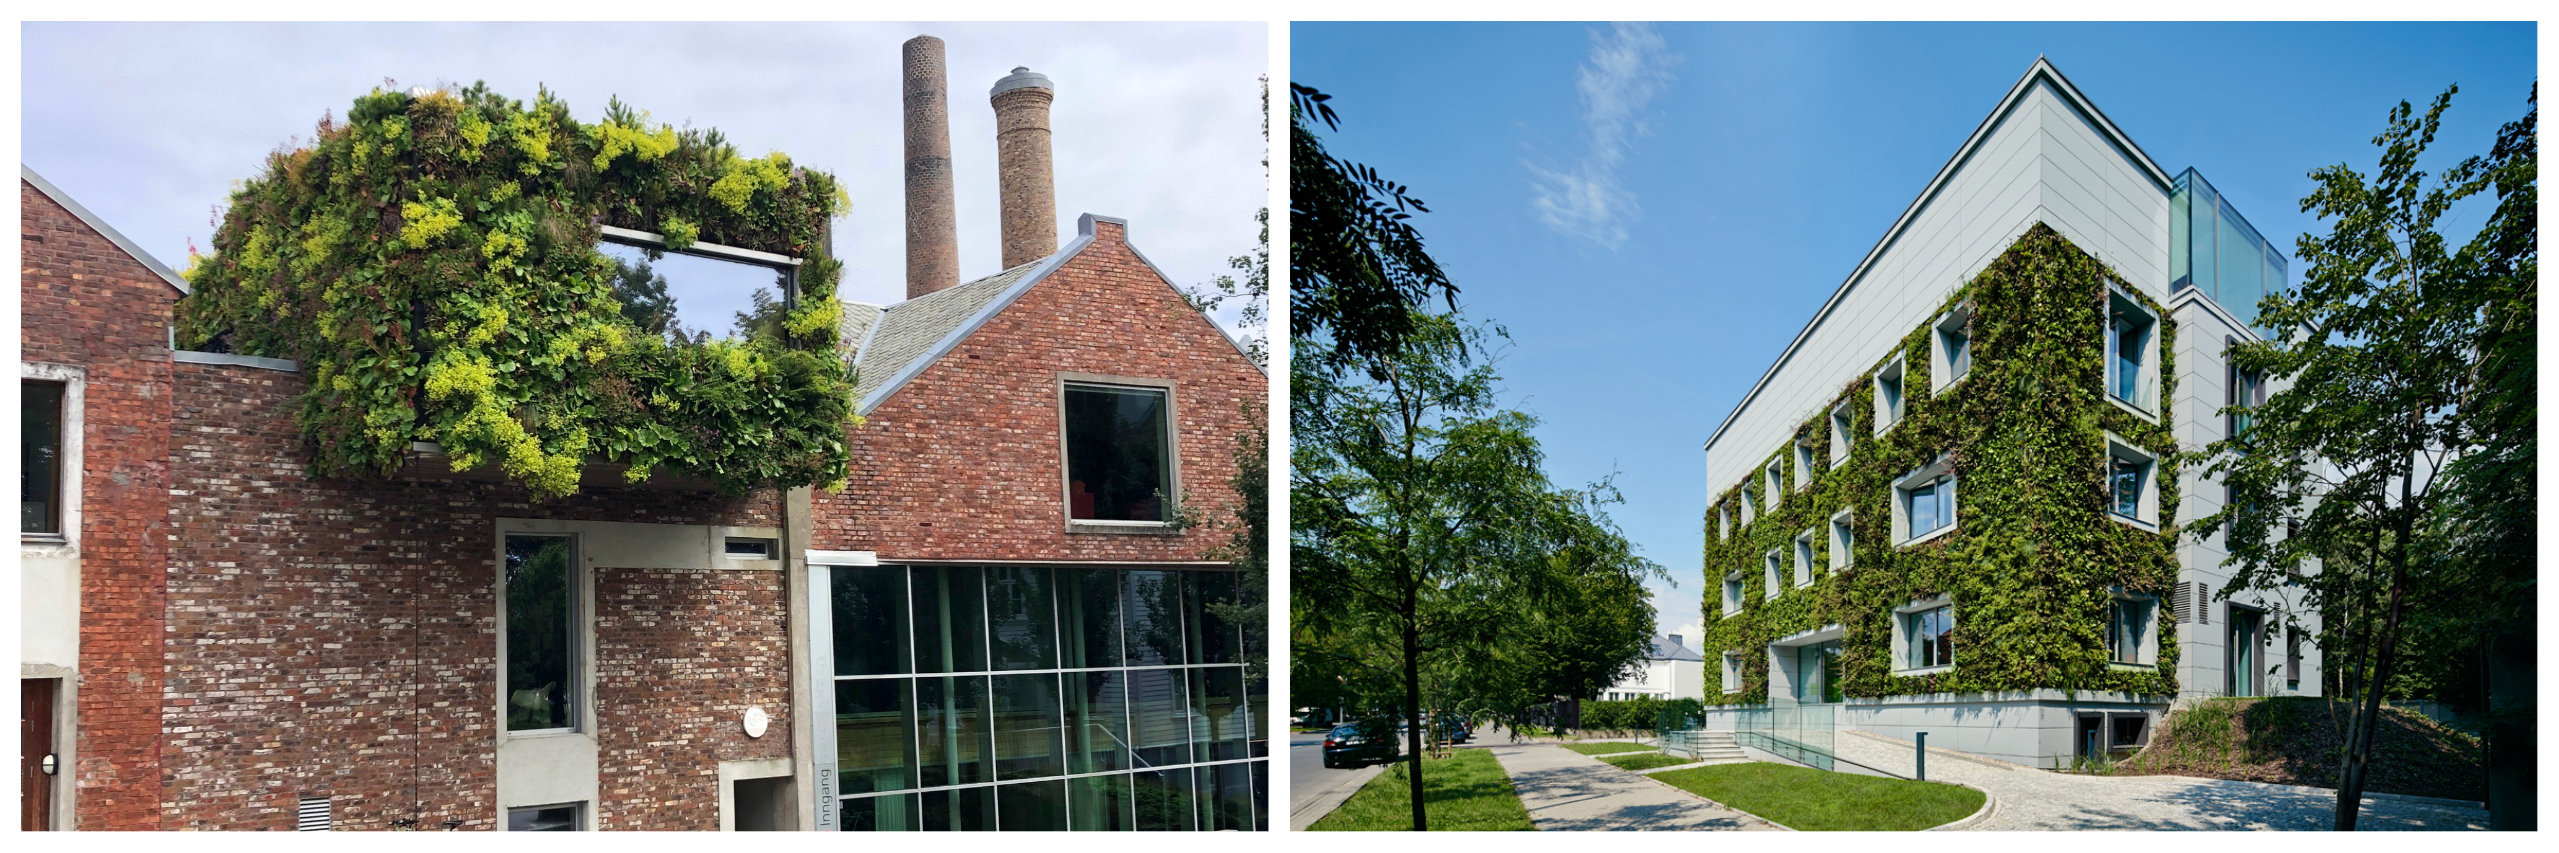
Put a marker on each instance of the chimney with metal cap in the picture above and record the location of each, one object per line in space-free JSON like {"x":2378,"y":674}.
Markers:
{"x":932,"y":230}
{"x":1022,"y":166}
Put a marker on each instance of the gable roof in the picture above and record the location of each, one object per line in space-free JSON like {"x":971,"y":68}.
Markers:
{"x":1664,"y":649}
{"x":890,"y":346}
{"x":50,"y":191}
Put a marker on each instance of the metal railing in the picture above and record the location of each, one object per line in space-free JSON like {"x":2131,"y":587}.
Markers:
{"x":1806,"y":734}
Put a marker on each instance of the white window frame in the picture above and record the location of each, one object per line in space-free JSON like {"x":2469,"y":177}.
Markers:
{"x":1732,"y":672}
{"x":2145,"y":402}
{"x":1735,"y":589}
{"x":1943,"y":373}
{"x":2146,"y":646}
{"x":1776,"y":489}
{"x":1804,"y":558}
{"x":1843,"y":540}
{"x":1804,"y":466}
{"x":1889,"y":411}
{"x":1749,"y":507}
{"x":1843,"y":438}
{"x":1943,"y":467}
{"x":75,"y":393}
{"x":1772,"y":581}
{"x":2146,"y":509}
{"x":1723,"y":522}
{"x":1906,"y":634}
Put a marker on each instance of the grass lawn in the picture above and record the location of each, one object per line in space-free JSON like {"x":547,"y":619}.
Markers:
{"x":1600,"y":748}
{"x":1644,"y":760}
{"x":1809,"y":799}
{"x":1466,"y":791}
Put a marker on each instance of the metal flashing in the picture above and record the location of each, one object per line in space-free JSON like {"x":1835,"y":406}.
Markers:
{"x":970,"y":326}
{"x":28,"y":173}
{"x":261,"y":362}
{"x":715,"y":251}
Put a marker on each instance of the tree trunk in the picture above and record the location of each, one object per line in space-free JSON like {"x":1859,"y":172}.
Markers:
{"x":1413,"y":716}
{"x":2511,"y":736}
{"x":2350,"y":789}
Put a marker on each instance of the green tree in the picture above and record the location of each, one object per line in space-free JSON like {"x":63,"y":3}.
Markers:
{"x":2347,"y":482}
{"x":642,"y":293}
{"x":1356,"y":265}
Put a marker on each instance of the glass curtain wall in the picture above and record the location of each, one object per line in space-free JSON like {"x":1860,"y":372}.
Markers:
{"x":2214,"y":249}
{"x":1043,"y":698}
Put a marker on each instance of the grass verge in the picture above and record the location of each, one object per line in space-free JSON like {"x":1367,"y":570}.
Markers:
{"x":1466,"y":791}
{"x":1600,"y":748}
{"x":1815,"y":800}
{"x":2297,"y":740}
{"x":1644,"y":760}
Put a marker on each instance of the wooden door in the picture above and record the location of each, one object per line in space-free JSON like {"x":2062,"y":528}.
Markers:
{"x":35,"y":745}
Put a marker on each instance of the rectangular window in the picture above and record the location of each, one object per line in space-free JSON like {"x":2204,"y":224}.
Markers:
{"x":1732,"y":593}
{"x":1928,"y":631}
{"x":1803,"y":465}
{"x":1952,"y":355}
{"x":1732,"y":673}
{"x":1776,"y":481}
{"x":2131,"y":346}
{"x":1927,"y":502}
{"x":1770,"y":586}
{"x":2125,"y":482}
{"x":1888,"y":395}
{"x":1804,"y":558}
{"x":543,"y":678}
{"x":1842,"y":438}
{"x":2292,"y":658}
{"x":40,"y":458}
{"x":1118,"y":454}
{"x":2127,"y":624}
{"x":1843,"y":540}
{"x":2132,"y":493}
{"x":2247,"y":389}
{"x":567,"y":817}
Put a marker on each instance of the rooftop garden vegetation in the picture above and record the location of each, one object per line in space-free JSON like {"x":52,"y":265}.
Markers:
{"x":432,"y":263}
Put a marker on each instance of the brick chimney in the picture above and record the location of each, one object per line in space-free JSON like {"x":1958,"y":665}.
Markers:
{"x":932,"y":231}
{"x":1022,"y":166}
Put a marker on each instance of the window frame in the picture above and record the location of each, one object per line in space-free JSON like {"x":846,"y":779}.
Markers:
{"x":1776,"y":488}
{"x":2145,"y":647}
{"x":69,"y":453}
{"x":2145,"y":402}
{"x":1843,"y":540}
{"x":1934,"y":473}
{"x":1736,"y":592}
{"x":1804,"y":466}
{"x":1906,"y":619}
{"x":1804,"y":555}
{"x":2146,"y":504}
{"x":580,"y":690}
{"x":1943,"y":371}
{"x":1843,"y":433}
{"x":1732,"y":672}
{"x":1172,"y":455}
{"x":1772,"y":584}
{"x":1889,"y":413}
{"x":584,"y":820}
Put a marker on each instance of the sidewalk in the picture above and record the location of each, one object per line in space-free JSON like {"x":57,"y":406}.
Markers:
{"x":2039,"y":800}
{"x":1566,"y":790}
{"x":1315,"y":805}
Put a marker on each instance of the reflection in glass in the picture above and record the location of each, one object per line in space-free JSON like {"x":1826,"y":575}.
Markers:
{"x":1090,"y":599}
{"x":1225,"y":797}
{"x":951,"y":723}
{"x":1096,"y":721}
{"x":40,"y":457}
{"x":1212,"y":639}
{"x":964,"y":809}
{"x":1153,"y":608}
{"x":541,"y":607}
{"x":1219,"y":721}
{"x":1261,"y":785}
{"x":1100,"y":803}
{"x":875,"y":735}
{"x":1257,"y":696}
{"x":1161,"y":716}
{"x":1022,"y":617}
{"x":1116,"y":464}
{"x":950,"y":613}
{"x":545,"y":819}
{"x":886,"y":813}
{"x":1163,"y":800}
{"x":870,"y":617}
{"x":1032,"y":806}
{"x":1026,"y":727}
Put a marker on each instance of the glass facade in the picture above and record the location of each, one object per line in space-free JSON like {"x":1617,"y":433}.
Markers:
{"x":2214,"y":249}
{"x":1042,"y":698}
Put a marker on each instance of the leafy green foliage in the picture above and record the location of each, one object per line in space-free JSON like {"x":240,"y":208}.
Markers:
{"x":642,"y":293}
{"x":1357,"y":269}
{"x":1637,"y":714}
{"x":432,"y":263}
{"x":1466,"y":791}
{"x":2035,"y":561}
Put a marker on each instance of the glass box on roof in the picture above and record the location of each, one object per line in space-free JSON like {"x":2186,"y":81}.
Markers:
{"x":2214,"y":249}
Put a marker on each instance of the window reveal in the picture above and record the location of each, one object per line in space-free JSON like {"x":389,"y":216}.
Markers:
{"x":40,"y":458}
{"x":1929,"y":643}
{"x":1118,"y":460}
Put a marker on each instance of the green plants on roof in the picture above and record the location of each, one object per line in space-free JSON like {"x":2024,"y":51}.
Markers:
{"x":432,"y":263}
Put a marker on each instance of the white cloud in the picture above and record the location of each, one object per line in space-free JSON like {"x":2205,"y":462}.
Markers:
{"x":1628,"y":66}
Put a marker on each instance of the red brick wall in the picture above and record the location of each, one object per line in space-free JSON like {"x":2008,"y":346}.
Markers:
{"x":339,"y":637}
{"x":86,"y":303}
{"x":963,"y":462}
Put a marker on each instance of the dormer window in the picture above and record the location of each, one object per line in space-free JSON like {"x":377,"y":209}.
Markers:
{"x":2132,"y":354}
{"x":1952,"y":352}
{"x":1888,"y":395}
{"x":1119,"y":454}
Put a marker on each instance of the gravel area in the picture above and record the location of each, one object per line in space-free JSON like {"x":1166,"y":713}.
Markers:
{"x":2039,"y":800}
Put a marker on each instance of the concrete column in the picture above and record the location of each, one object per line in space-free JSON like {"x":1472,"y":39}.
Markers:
{"x":1022,"y":166}
{"x":932,"y":230}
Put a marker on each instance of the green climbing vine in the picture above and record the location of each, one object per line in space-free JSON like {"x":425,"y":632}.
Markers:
{"x":2035,"y":561}
{"x":432,"y":262}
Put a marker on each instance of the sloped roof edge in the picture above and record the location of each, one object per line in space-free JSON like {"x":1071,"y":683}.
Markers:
{"x":100,"y":225}
{"x":970,"y":326}
{"x":1085,"y":225}
{"x":2042,"y":71}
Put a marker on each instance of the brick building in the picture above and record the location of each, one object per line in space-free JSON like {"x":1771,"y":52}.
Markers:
{"x":220,"y":640}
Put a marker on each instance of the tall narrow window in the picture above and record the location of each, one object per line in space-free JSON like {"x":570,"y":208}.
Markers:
{"x":2131,"y":347}
{"x":1804,"y":559}
{"x":1776,"y":481}
{"x":1770,"y":586}
{"x":1888,"y":396}
{"x":1841,"y":439}
{"x":1952,"y":355}
{"x":1843,"y":541}
{"x":542,"y":672}
{"x":1803,"y":465}
{"x":1732,"y":593}
{"x":1118,"y":454}
{"x":1929,"y":643}
{"x":1732,"y":672}
{"x":2127,"y":622}
{"x":40,"y":458}
{"x":2132,"y":495}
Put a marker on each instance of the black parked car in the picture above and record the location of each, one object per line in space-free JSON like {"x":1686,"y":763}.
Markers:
{"x":1356,"y":744}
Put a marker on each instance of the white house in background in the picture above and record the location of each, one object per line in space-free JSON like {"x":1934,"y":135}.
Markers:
{"x":1671,"y":671}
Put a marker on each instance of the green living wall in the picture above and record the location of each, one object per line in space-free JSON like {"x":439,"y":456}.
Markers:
{"x":432,"y":261}
{"x":2035,"y":561}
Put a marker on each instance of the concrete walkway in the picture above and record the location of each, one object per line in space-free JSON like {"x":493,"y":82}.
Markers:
{"x":1566,"y":790}
{"x":2039,"y":800}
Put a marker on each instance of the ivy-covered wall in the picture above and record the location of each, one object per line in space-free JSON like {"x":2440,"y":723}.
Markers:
{"x":432,"y":263}
{"x":2034,"y":563}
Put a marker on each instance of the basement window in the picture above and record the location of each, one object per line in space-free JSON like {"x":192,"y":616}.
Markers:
{"x":566,"y":817}
{"x":1888,"y":395}
{"x":1119,"y":461}
{"x":744,"y":548}
{"x":1952,"y":355}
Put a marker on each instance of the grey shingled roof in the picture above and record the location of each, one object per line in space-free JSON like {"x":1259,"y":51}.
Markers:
{"x":910,"y":329}
{"x":1664,"y":649}
{"x":854,"y":325}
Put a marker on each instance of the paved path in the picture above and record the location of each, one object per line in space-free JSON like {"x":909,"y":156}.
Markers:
{"x":1566,"y":790}
{"x":1315,"y":790}
{"x":2040,"y":800}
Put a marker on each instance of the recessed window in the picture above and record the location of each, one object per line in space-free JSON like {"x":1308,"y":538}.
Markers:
{"x":1803,"y":465}
{"x":1750,"y":505}
{"x":1732,"y":593}
{"x":1724,"y":521}
{"x":568,"y":817}
{"x":2247,"y":389}
{"x":40,"y":459}
{"x":1952,"y":353}
{"x":1924,"y":502}
{"x":1804,"y":558}
{"x":744,"y":548}
{"x":1770,"y":586}
{"x":2128,"y":629}
{"x":1888,"y":395}
{"x":1927,"y":637}
{"x":542,"y":673}
{"x":1118,"y":454}
{"x":1843,"y":539}
{"x":2132,"y":353}
{"x":2132,"y":487}
{"x":1776,"y":481}
{"x":1841,"y":438}
{"x":1732,"y":672}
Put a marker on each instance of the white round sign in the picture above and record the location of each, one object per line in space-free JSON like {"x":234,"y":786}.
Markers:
{"x":755,"y":722}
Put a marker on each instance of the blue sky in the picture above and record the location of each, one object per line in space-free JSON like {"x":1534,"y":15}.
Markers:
{"x":1655,"y":211}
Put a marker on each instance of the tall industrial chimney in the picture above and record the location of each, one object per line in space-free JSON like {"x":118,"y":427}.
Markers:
{"x":1022,"y":166}
{"x":932,"y":232}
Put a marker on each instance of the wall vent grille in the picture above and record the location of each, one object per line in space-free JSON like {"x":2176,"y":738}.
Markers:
{"x":314,"y":815}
